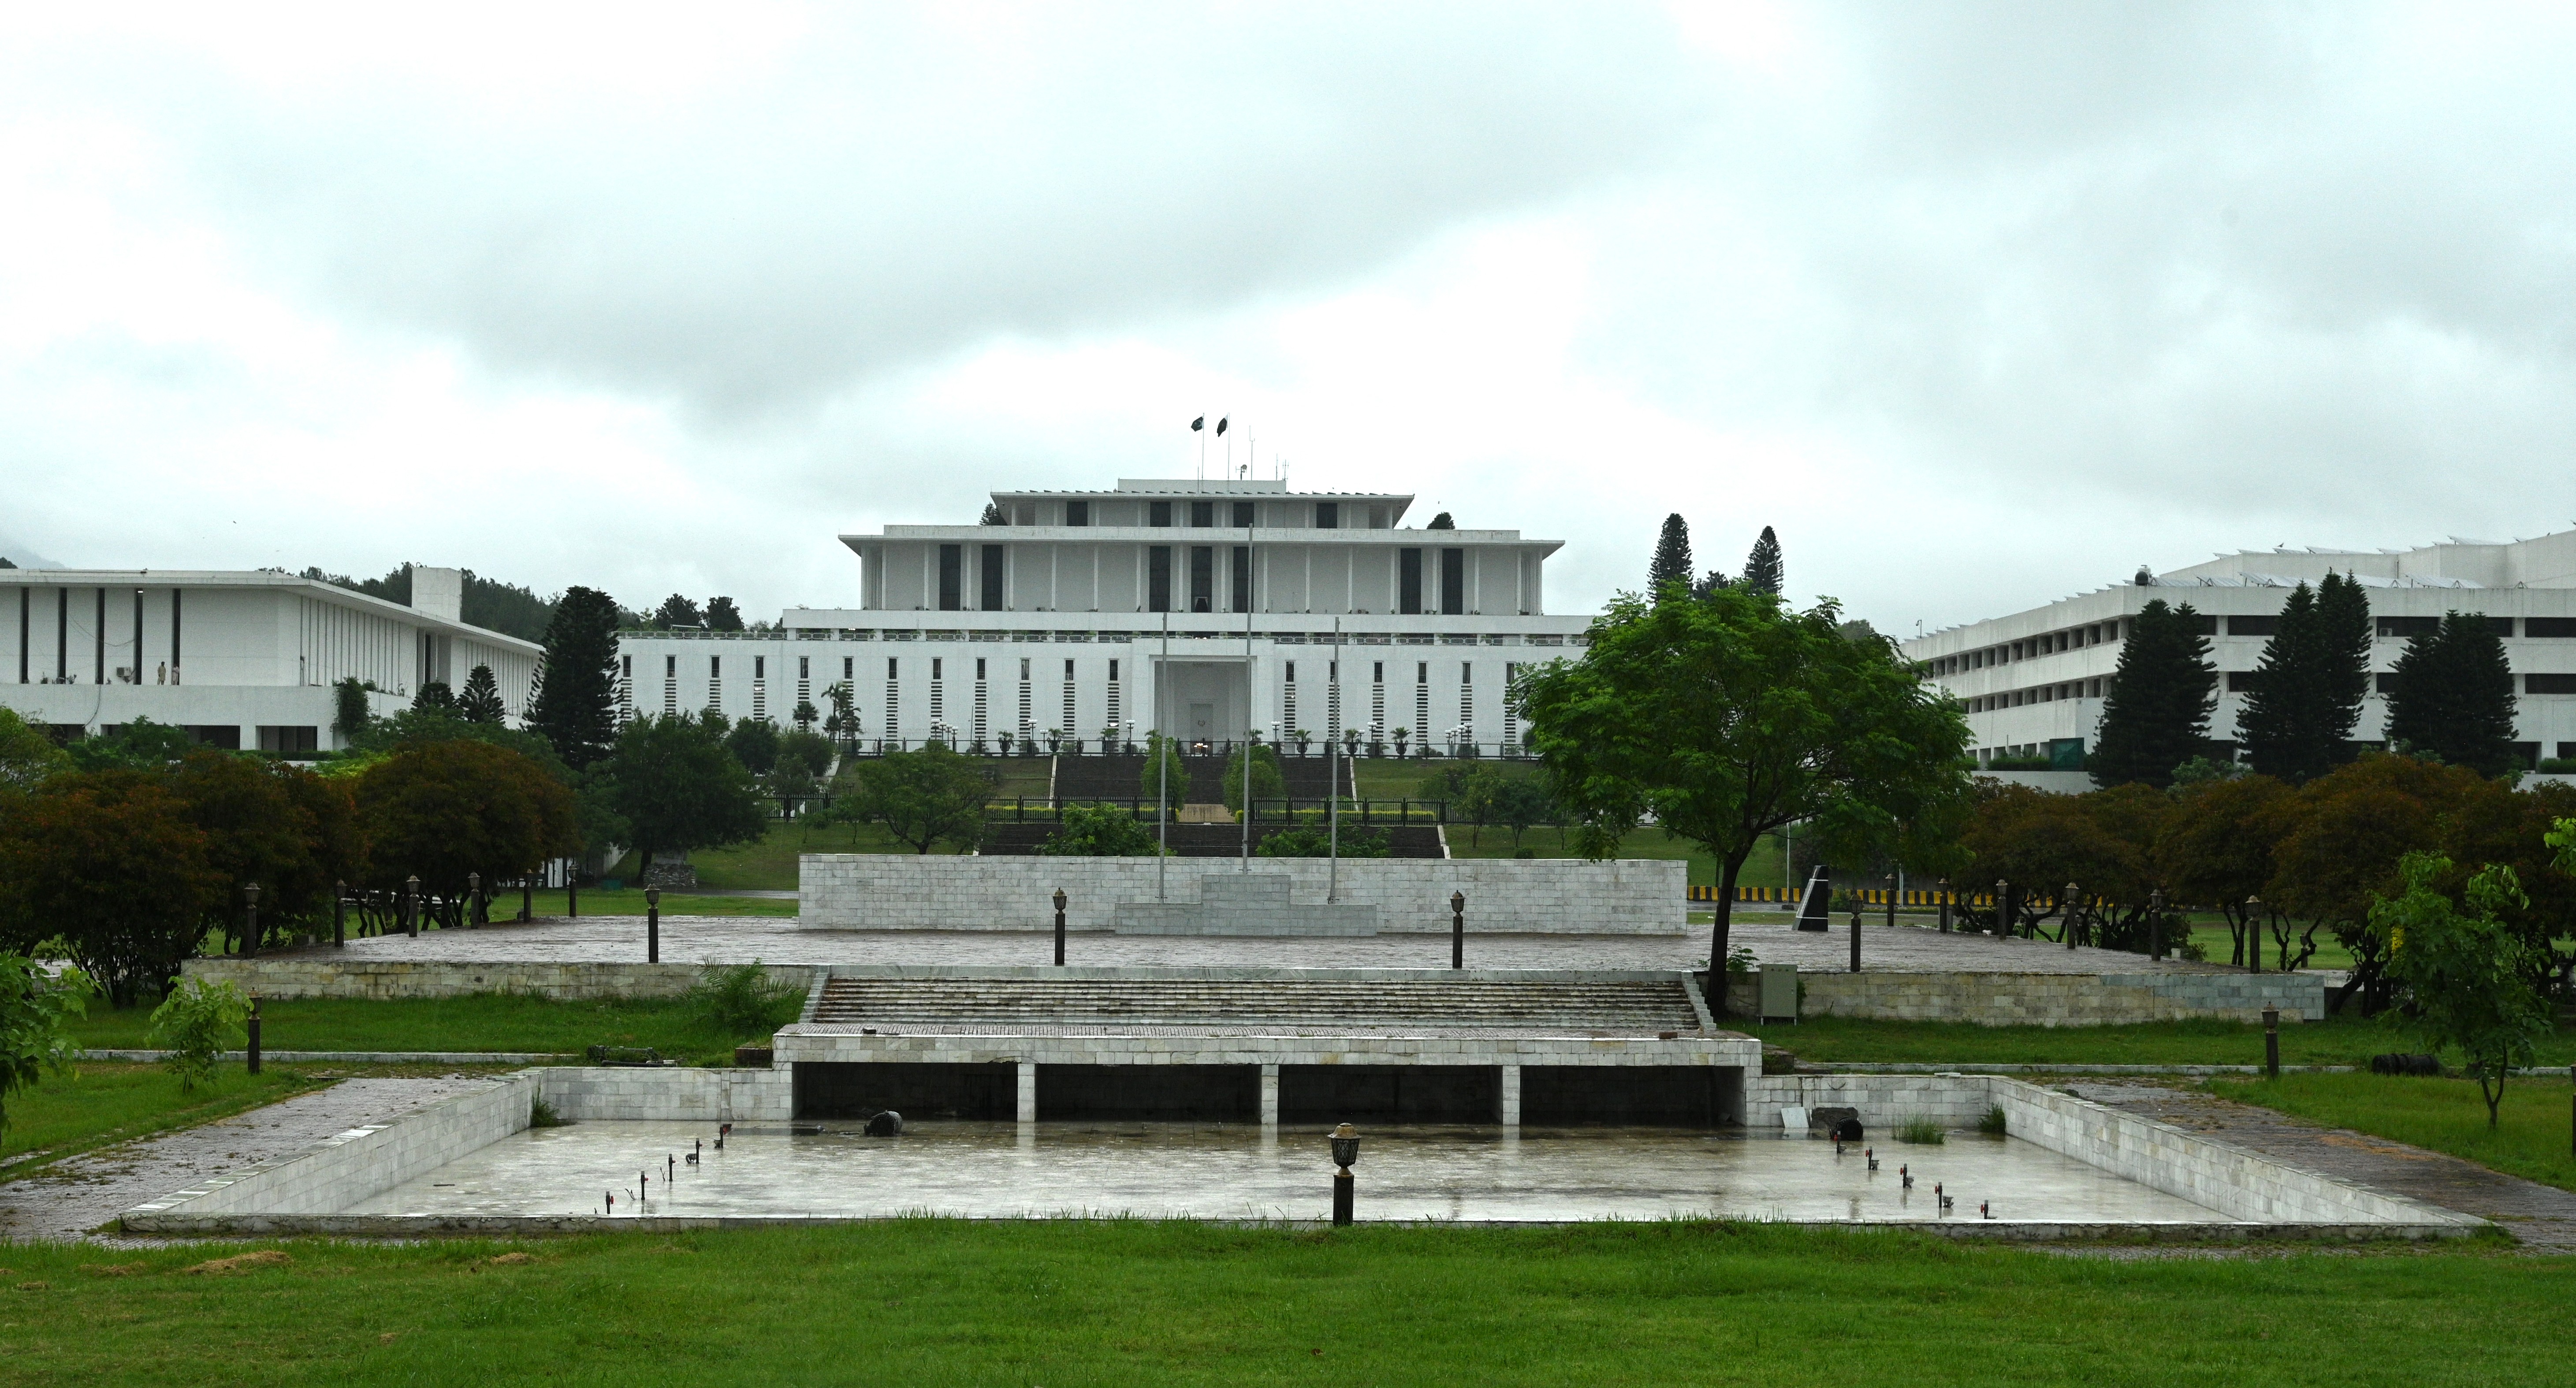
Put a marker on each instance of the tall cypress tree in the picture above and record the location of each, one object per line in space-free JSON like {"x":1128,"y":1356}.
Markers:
{"x":2155,"y":716}
{"x":576,"y":700}
{"x":1672,"y":562}
{"x":2284,"y":723}
{"x":2344,"y":635}
{"x":2452,"y":696}
{"x":1763,"y":572}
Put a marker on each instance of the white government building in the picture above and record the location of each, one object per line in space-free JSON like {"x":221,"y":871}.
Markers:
{"x":241,"y":660}
{"x":2033,"y":681}
{"x":1207,"y":609}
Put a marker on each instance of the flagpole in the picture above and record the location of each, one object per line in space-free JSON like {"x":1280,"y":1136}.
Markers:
{"x":1333,"y":771}
{"x":1251,"y":728}
{"x":1162,"y":765}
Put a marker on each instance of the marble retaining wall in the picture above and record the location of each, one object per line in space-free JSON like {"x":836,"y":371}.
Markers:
{"x":609,"y":1094}
{"x":1550,"y":896}
{"x":341,"y":977}
{"x":2048,"y":1000}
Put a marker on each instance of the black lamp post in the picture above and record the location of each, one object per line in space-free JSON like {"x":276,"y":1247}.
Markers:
{"x":2003,"y":922}
{"x":473,"y":899}
{"x":2073,"y":913}
{"x":2156,"y":924}
{"x":411,"y":906}
{"x":2271,"y":1040}
{"x":250,"y":918}
{"x":1059,"y":927}
{"x":652,"y":925}
{"x":2253,"y":936}
{"x":1457,"y":930}
{"x":340,"y":915}
{"x":1941,"y":889}
{"x":1346,"y":1154}
{"x":250,"y":1046}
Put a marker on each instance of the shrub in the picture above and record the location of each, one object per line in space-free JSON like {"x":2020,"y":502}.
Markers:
{"x":1311,"y":841}
{"x":197,"y":1022}
{"x":1992,"y":1125}
{"x":543,"y":1115}
{"x":742,"y":1000}
{"x":1922,"y":1132}
{"x":33,"y":1009}
{"x":1099,"y":831}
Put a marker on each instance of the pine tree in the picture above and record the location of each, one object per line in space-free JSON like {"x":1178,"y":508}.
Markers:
{"x":1672,"y":562}
{"x":2452,"y":696}
{"x":676,"y":611}
{"x":576,"y":701}
{"x":481,"y":700}
{"x":2155,"y":716}
{"x":722,"y":615}
{"x":1763,"y":572}
{"x":2344,"y":635}
{"x":2284,"y":724}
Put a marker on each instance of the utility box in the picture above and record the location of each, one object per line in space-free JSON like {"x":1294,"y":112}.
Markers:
{"x":1779,"y":993}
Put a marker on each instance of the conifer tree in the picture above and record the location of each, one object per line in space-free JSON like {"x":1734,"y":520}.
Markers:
{"x":576,"y":699}
{"x":2284,"y":723}
{"x":1762,"y":568}
{"x":480,"y":702}
{"x":1672,"y":562}
{"x":2452,"y":696}
{"x":2344,"y":633}
{"x":2155,"y":716}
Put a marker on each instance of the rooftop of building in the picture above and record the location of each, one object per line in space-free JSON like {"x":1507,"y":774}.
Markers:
{"x":265,"y":578}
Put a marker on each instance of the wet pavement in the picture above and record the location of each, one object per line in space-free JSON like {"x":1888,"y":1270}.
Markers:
{"x":1168,"y":1170}
{"x":781,"y":940}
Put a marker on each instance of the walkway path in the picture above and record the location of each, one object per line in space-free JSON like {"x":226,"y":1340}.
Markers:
{"x":2543,"y":1217}
{"x":73,"y":1196}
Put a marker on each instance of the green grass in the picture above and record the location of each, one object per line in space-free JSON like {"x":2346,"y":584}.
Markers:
{"x":2531,"y":1139}
{"x":99,"y":1103}
{"x":474,"y":1022}
{"x":1117,"y":1303}
{"x":2336,"y":1041}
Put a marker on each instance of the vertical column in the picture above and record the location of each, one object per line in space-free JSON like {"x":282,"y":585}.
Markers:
{"x":1270,"y":1094}
{"x":1511,"y":1105}
{"x":1028,"y":1091}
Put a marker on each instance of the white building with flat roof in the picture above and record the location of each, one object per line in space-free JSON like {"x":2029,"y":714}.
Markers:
{"x":1205,"y":609}
{"x":243,"y":660}
{"x":2033,"y":681}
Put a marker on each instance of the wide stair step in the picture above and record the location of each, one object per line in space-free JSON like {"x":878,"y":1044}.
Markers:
{"x":1628,"y":1008}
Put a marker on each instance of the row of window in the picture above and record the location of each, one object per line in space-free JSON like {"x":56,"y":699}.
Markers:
{"x":939,"y":669}
{"x":1115,"y":638}
{"x":1203,"y":515}
{"x":2094,"y":634}
{"x":2238,"y":682}
{"x":1449,"y":589}
{"x":2071,"y":639}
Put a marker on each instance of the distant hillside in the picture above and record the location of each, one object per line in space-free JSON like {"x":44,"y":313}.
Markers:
{"x":495,"y":606}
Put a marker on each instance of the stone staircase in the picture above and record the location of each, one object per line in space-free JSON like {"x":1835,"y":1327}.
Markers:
{"x":1629,"y":1007}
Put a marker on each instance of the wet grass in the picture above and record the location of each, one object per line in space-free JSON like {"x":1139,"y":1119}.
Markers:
{"x":1011,"y":1302}
{"x":2334,"y":1041}
{"x":102,"y":1103}
{"x":473,"y":1022}
{"x":2532,"y":1138}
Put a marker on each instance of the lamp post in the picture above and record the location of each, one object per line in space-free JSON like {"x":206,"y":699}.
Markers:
{"x":2271,"y":1040}
{"x":473,"y":900}
{"x":340,"y":915}
{"x":250,"y":1048}
{"x":1855,"y":929}
{"x":2156,"y":924}
{"x":1059,"y":927}
{"x":1346,"y":1154}
{"x":411,"y":906}
{"x":1941,"y":889}
{"x":2253,"y":936}
{"x":652,"y":925}
{"x":2074,"y":911}
{"x":2003,"y":924}
{"x":250,"y":919}
{"x":1457,"y":930}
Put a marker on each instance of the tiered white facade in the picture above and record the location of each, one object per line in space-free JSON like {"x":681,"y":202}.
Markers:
{"x":2033,"y":682}
{"x":1207,"y":610}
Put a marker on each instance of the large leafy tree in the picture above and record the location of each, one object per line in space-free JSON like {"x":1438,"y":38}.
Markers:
{"x":1728,"y":716}
{"x":2215,"y":850}
{"x":2156,"y":715}
{"x":2463,"y":969}
{"x":679,"y":788}
{"x":923,"y":798}
{"x":293,"y":833}
{"x":722,"y":615}
{"x":2452,"y":696}
{"x":27,"y":757}
{"x":1672,"y":561}
{"x":678,"y":610}
{"x":576,"y":701}
{"x":1099,"y":831}
{"x":36,"y":1008}
{"x":110,"y":863}
{"x":443,"y":810}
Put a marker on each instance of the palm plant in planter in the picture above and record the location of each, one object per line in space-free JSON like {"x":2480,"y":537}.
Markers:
{"x":1400,"y":735}
{"x":1350,"y":742}
{"x":1055,"y":742}
{"x":1303,"y":737}
{"x":1005,"y":740}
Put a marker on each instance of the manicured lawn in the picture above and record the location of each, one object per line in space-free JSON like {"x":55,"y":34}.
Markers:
{"x":99,"y":1103}
{"x":2339,"y":1041}
{"x":1010,"y":1302}
{"x":475,"y":1022}
{"x":2531,"y":1138}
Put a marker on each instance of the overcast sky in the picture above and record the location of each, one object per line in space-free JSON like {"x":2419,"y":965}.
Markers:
{"x":1978,"y":304}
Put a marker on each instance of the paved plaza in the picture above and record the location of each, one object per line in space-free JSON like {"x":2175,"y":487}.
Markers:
{"x":781,"y":940}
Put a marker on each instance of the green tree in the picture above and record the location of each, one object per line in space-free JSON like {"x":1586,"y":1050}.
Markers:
{"x":2215,"y":849}
{"x":141,"y":745}
{"x":754,"y":743}
{"x":575,"y":708}
{"x":2345,"y":632}
{"x":1316,"y":841}
{"x":36,"y":1008}
{"x":2286,"y":722}
{"x":1099,"y":831}
{"x":680,"y":789}
{"x":677,"y":611}
{"x":350,"y":713}
{"x":196,"y":1024}
{"x":2156,"y":714}
{"x":1268,"y":781}
{"x":443,"y":810}
{"x":293,"y":833}
{"x":2452,"y":697}
{"x":27,"y":757}
{"x":1763,"y":569}
{"x":1442,"y":522}
{"x":435,"y":697}
{"x":722,"y":615}
{"x":1730,"y":716}
{"x":923,"y":798}
{"x":1164,"y":770}
{"x":481,"y":700}
{"x":2465,"y":978}
{"x":806,"y":750}
{"x":994,"y":514}
{"x":842,"y":723}
{"x":1672,"y":561}
{"x":109,"y":863}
